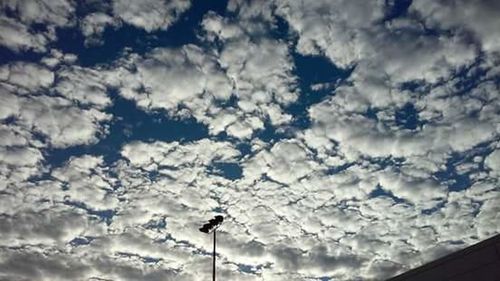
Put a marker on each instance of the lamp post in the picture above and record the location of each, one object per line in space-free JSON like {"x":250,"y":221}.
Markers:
{"x":212,"y":226}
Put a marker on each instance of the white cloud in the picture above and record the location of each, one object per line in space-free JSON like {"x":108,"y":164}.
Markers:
{"x":27,"y":75}
{"x":150,"y":14}
{"x":289,"y":162}
{"x":82,"y":85}
{"x":176,"y":155}
{"x":489,"y":213}
{"x":93,"y":25}
{"x":173,"y":79}
{"x":61,"y":121}
{"x":16,"y":33}
{"x":195,"y":82}
{"x":51,"y":12}
{"x":348,"y":32}
{"x":479,"y":17}
{"x":343,"y":120}
{"x":414,"y":190}
{"x":86,"y":182}
{"x":189,"y":72}
{"x":17,"y":37}
{"x":40,"y":227}
{"x":492,"y":161}
{"x":243,"y":130}
{"x":432,"y":57}
{"x":263,"y":66}
{"x":218,"y":27}
{"x":63,"y":124}
{"x":20,"y":156}
{"x":9,"y":104}
{"x":332,"y":28}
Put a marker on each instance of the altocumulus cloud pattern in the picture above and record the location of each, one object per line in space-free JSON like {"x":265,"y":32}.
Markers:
{"x":340,"y":140}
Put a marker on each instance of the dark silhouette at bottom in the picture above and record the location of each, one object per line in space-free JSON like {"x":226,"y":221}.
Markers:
{"x":479,"y":262}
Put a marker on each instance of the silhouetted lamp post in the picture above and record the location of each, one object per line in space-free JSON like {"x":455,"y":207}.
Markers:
{"x":212,"y":225}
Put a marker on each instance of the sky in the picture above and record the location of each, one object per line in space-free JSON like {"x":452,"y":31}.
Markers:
{"x":340,"y":139}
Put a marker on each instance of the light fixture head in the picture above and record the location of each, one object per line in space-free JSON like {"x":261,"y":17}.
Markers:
{"x":212,"y":224}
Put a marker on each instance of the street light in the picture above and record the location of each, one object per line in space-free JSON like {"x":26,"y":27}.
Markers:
{"x":212,"y":225}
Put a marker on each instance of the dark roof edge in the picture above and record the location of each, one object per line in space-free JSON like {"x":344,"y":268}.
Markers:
{"x":458,"y":254}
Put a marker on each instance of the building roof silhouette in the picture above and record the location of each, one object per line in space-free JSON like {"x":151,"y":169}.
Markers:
{"x":479,"y":262}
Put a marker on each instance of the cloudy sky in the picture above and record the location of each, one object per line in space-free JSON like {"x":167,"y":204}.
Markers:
{"x":341,"y":140}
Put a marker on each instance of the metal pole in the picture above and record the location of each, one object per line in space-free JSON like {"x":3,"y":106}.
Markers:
{"x":214,"y":256}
